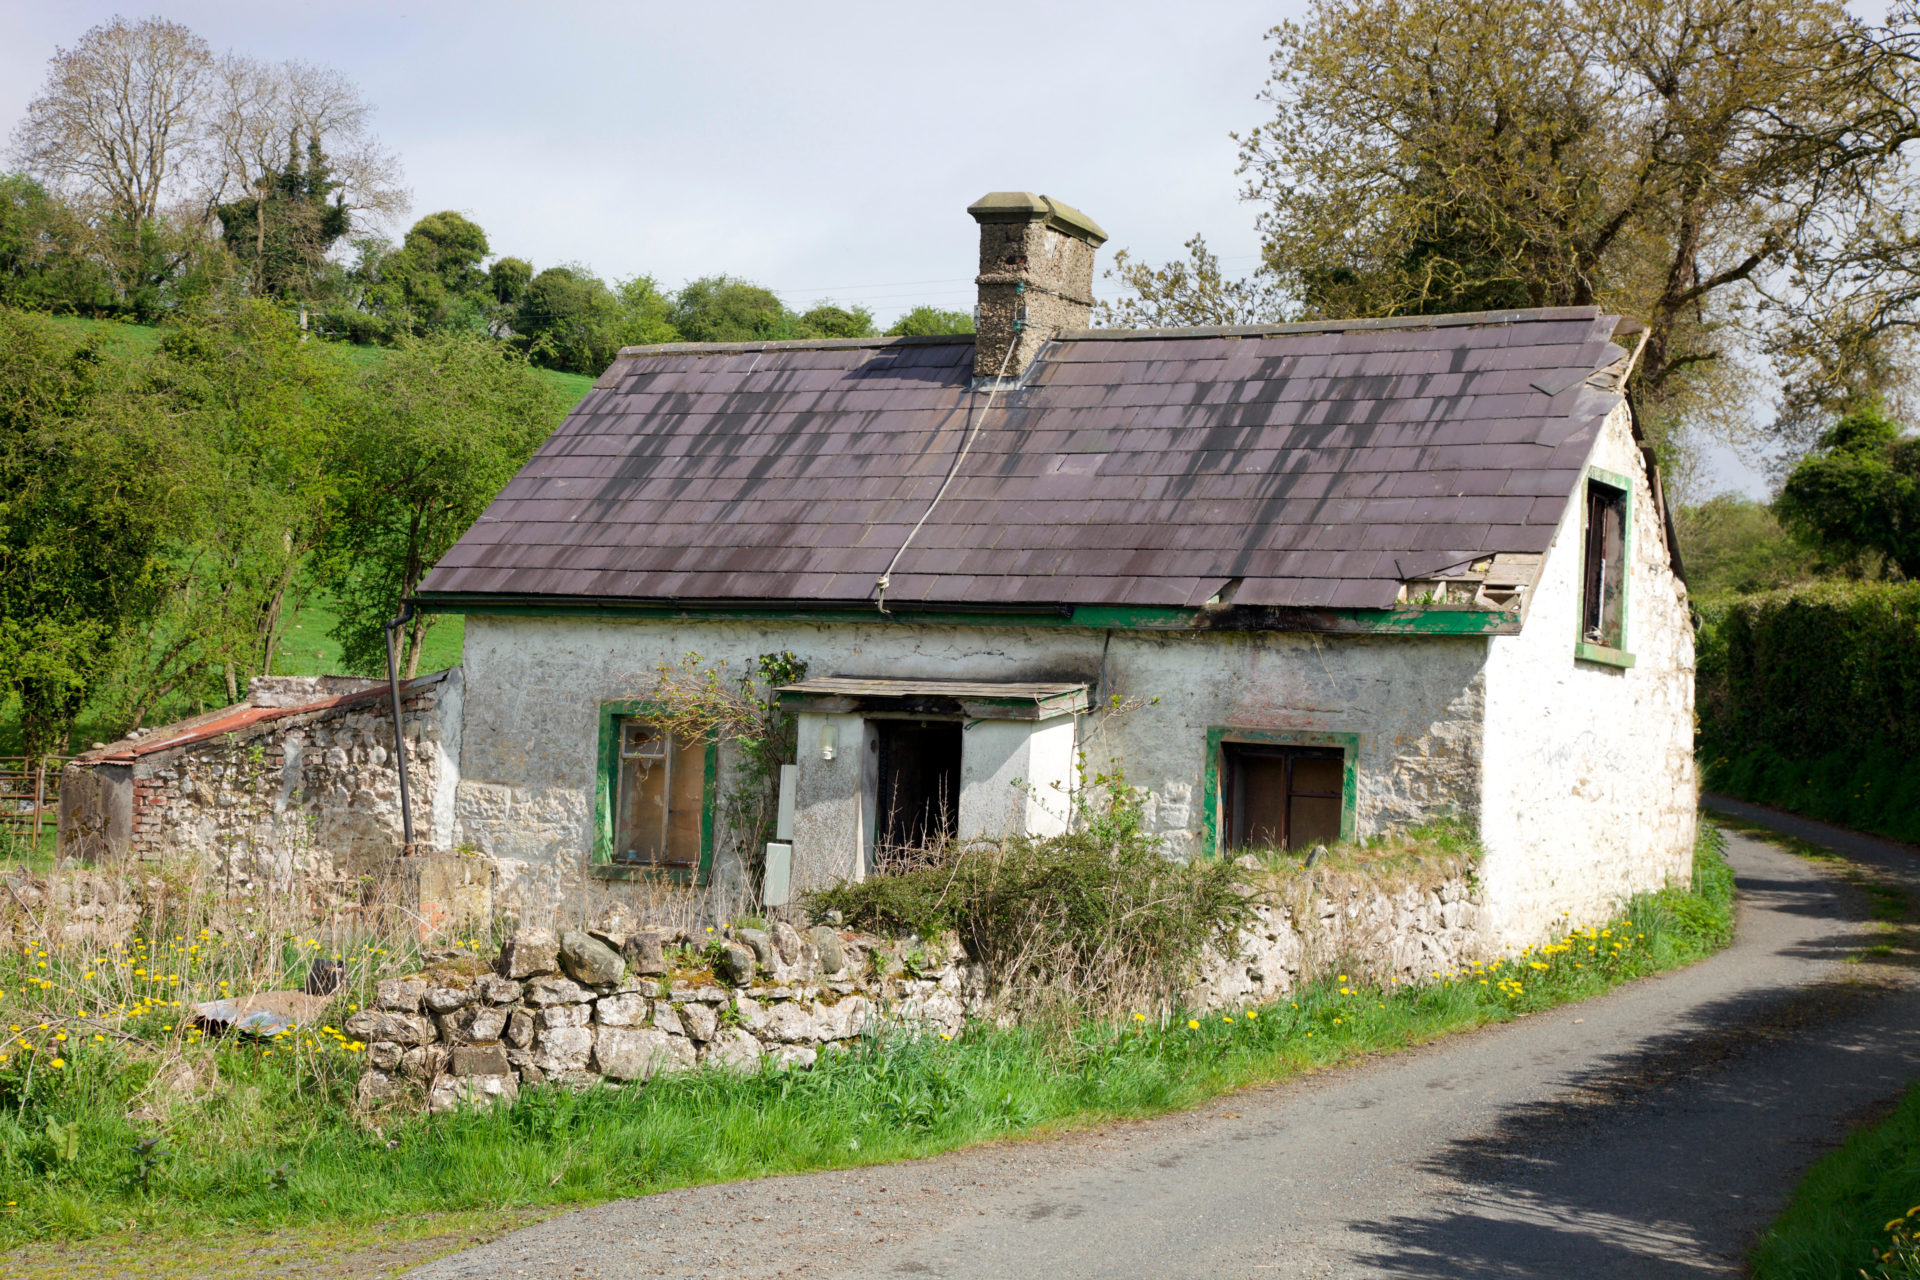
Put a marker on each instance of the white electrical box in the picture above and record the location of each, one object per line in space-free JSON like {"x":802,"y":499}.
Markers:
{"x":783,"y":815}
{"x":777,"y":887}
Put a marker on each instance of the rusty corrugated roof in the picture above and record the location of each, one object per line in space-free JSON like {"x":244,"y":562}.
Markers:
{"x":234,"y":719}
{"x":1318,"y":465}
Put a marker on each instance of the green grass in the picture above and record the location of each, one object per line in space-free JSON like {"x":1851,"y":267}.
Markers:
{"x":308,"y":650}
{"x":273,"y":1144}
{"x":1836,"y":1225}
{"x":122,"y":340}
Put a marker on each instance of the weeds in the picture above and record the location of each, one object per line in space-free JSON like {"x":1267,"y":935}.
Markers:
{"x":262,"y":1140}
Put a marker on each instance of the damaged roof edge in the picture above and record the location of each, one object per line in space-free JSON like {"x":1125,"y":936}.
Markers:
{"x":1430,"y":622}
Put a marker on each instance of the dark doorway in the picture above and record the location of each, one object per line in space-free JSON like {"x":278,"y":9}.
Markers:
{"x":919,"y":798}
{"x":1282,"y":797}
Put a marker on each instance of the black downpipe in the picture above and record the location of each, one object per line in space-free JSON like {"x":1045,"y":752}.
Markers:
{"x":399,"y":740}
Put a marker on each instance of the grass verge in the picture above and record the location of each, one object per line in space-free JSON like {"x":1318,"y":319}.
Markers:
{"x":263,"y":1144}
{"x":1855,"y":1213}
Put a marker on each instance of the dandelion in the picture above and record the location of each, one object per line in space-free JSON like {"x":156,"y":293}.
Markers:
{"x":1252,"y":1013}
{"x":1193,"y":1024}
{"x":1139,"y":1017}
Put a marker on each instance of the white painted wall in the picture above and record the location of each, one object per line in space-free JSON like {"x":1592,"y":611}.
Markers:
{"x":534,"y":686}
{"x":1590,"y":790}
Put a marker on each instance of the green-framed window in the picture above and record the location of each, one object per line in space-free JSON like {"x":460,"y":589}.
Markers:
{"x":1278,"y":787}
{"x":654,"y":799}
{"x":1606,"y":559}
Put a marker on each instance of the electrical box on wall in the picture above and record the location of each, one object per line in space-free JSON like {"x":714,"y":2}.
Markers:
{"x":776,"y":888}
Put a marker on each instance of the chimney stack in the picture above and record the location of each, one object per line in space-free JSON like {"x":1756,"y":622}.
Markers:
{"x":1036,"y":277}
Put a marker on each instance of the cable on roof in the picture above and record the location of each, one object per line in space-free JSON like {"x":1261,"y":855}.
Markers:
{"x":885,"y":580}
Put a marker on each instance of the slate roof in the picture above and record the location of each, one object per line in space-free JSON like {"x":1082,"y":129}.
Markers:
{"x":1320,"y":464}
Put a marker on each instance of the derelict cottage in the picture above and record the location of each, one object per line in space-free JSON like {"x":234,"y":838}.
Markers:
{"x":1352,"y":574}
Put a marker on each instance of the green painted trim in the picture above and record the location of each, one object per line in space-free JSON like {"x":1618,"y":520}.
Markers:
{"x":1584,"y":652}
{"x":1581,"y":649}
{"x":601,"y":864}
{"x":1210,"y":833}
{"x":1421,"y":622}
{"x":1107,"y":617}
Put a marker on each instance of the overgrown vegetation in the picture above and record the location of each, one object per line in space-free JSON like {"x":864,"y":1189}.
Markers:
{"x":164,"y":512}
{"x":250,"y":1133}
{"x":1095,"y":921}
{"x":693,"y":700}
{"x":1809,"y":699}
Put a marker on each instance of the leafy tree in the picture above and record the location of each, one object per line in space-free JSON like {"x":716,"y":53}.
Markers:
{"x":1856,"y":499}
{"x":89,"y":484}
{"x":1674,"y":159}
{"x":829,"y":321}
{"x":434,"y":282}
{"x":45,"y":259}
{"x":288,"y":226}
{"x":922,"y":321}
{"x":569,"y":319}
{"x":1733,"y":545}
{"x":725,"y":309}
{"x":508,"y":279}
{"x":253,"y":411}
{"x":440,"y":426}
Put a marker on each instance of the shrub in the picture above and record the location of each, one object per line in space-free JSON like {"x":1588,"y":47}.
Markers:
{"x":1810,"y":699}
{"x":1098,"y":919}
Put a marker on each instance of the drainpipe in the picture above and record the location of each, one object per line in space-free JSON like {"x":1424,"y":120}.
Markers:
{"x":399,"y":741}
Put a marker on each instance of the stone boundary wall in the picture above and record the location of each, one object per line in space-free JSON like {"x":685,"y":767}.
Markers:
{"x":1397,"y":928}
{"x":586,"y":1007}
{"x":590,"y":1006}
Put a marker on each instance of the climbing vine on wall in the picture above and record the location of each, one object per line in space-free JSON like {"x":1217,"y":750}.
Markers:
{"x":693,"y":699}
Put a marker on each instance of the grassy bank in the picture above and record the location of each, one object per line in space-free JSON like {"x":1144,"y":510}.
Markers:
{"x":1856,"y":1213}
{"x":264,"y":1138}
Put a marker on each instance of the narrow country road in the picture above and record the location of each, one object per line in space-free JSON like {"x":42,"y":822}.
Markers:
{"x":1648,"y":1133}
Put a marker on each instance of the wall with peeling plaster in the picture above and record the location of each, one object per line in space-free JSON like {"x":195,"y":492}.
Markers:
{"x":534,"y":687}
{"x":1590,"y":788}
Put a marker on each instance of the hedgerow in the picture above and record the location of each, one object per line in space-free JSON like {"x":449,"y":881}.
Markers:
{"x":1809,"y":699}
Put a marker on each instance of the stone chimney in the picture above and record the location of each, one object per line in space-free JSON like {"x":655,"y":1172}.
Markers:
{"x":1036,"y":277}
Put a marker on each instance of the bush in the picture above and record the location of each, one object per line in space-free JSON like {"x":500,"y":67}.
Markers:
{"x":1809,"y":699}
{"x":1097,"y":919}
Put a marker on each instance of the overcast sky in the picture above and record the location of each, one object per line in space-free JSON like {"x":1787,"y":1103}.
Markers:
{"x":826,"y":151}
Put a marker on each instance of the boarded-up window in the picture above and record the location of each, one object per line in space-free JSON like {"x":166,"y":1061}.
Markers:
{"x":659,"y":798}
{"x":1282,"y":797}
{"x":1603,"y":591}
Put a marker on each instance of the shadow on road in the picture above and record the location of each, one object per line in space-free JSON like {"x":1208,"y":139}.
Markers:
{"x":1624,"y":1170}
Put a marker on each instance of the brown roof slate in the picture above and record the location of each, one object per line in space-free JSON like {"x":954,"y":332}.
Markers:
{"x":1321,"y":464}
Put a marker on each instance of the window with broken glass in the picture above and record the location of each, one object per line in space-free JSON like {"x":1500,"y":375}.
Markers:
{"x":659,"y":797}
{"x":1603,"y":596}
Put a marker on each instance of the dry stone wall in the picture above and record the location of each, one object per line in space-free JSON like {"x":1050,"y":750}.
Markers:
{"x":579,"y":1008}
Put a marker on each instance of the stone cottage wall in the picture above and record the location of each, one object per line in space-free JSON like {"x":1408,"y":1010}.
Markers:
{"x":1591,"y":789}
{"x":529,"y":754}
{"x":306,"y":802}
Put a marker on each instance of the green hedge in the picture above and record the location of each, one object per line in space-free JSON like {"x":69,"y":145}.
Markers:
{"x":1809,"y":699}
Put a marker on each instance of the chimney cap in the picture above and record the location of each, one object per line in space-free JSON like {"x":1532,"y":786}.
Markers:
{"x":1025,"y":206}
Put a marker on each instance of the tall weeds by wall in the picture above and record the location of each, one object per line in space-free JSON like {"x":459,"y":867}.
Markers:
{"x":1809,"y":699}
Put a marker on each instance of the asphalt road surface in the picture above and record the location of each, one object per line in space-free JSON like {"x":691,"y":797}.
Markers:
{"x":1649,"y":1133}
